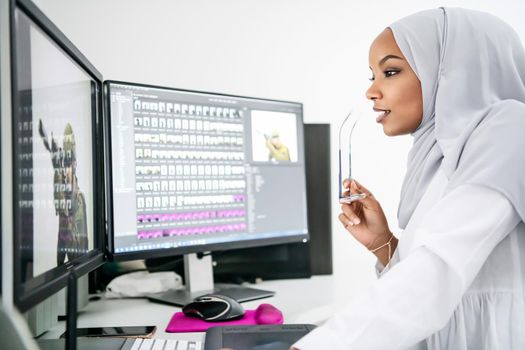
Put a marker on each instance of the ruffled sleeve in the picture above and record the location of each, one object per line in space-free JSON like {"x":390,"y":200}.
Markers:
{"x":381,"y":269}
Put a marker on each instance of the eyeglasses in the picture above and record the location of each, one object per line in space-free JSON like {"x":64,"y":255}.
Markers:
{"x":356,"y":196}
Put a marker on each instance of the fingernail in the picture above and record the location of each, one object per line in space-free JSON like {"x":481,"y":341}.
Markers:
{"x":356,"y":221}
{"x":350,"y":223}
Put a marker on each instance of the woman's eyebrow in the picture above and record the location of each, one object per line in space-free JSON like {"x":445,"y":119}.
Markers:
{"x":387,"y":57}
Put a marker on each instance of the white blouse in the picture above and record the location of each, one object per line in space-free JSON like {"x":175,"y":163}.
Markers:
{"x":455,"y":281}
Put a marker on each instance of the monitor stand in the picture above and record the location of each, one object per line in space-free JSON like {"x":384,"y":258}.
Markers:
{"x":71,"y":342}
{"x":198,"y":275}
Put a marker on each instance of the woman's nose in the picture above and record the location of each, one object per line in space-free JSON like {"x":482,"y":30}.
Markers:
{"x":373,"y":93}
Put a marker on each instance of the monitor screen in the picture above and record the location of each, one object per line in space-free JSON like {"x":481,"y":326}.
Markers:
{"x":194,"y":171}
{"x":55,"y":155}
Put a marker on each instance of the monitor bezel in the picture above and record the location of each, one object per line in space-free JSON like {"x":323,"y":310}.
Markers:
{"x":164,"y":252}
{"x":52,"y":281}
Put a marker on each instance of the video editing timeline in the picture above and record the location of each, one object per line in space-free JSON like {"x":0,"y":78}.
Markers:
{"x":200,"y":166}
{"x":182,"y":162}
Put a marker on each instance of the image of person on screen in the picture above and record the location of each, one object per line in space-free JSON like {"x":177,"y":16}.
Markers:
{"x":277,"y":150}
{"x":453,"y":79}
{"x":70,"y":204}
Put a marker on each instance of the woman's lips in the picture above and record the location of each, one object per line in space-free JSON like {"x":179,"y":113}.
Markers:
{"x":384,"y":113}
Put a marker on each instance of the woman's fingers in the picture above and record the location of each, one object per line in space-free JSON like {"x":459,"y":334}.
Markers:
{"x":348,"y":217}
{"x":352,"y":186}
{"x":346,"y":184}
{"x":369,"y":202}
{"x":345,"y":221}
{"x":356,"y":187}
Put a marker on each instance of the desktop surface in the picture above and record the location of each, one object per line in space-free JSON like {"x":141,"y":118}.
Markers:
{"x":239,"y":293}
{"x":304,"y":301}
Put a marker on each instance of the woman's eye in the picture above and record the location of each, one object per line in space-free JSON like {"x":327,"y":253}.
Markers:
{"x":390,"y":73}
{"x":371,"y":78}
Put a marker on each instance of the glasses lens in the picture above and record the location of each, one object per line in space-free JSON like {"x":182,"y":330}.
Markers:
{"x":345,"y":150}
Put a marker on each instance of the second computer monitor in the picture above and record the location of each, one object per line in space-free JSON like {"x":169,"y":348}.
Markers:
{"x":57,"y":158}
{"x":194,"y":171}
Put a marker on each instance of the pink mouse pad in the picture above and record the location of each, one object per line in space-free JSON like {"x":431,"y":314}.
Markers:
{"x":264,"y":314}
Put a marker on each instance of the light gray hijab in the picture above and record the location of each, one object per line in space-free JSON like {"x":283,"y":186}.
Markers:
{"x":471,"y":66}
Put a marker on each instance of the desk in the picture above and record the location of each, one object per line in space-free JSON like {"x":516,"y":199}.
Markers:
{"x":301,"y":301}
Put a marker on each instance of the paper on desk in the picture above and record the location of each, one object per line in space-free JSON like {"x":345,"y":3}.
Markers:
{"x":141,"y":283}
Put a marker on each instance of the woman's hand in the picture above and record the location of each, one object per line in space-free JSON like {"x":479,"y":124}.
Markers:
{"x":364,"y":218}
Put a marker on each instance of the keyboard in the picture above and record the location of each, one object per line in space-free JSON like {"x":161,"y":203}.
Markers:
{"x":165,"y":344}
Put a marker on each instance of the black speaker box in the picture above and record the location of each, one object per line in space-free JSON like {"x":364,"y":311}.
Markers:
{"x":318,"y":189}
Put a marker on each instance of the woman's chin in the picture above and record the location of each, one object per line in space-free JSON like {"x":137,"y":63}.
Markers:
{"x":389,"y":131}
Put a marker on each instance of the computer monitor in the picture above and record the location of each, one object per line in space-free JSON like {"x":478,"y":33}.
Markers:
{"x":197,"y":172}
{"x":58,"y":189}
{"x":292,"y":260}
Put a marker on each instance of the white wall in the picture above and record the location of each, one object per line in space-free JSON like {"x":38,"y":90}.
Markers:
{"x":310,"y":51}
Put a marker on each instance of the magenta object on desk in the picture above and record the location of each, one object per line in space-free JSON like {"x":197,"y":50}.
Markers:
{"x":264,"y":314}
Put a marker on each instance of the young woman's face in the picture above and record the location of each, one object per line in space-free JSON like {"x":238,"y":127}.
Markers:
{"x":395,"y":89}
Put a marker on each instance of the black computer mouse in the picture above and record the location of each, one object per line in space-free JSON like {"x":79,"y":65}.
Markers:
{"x":214,"y":307}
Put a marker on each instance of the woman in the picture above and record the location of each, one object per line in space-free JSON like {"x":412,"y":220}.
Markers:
{"x":454,"y":79}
